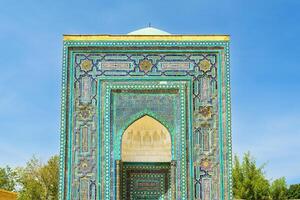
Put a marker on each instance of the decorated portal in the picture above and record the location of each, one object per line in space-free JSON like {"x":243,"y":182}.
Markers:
{"x":145,"y":116}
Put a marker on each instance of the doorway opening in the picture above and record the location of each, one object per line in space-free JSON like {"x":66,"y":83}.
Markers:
{"x":145,"y":165}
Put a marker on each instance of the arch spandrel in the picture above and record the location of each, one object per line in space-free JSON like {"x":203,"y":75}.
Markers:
{"x":146,"y":140}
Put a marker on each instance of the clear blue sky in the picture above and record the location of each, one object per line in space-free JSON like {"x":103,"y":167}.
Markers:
{"x":265,"y":71}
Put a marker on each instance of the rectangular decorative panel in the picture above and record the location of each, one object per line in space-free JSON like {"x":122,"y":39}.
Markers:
{"x":146,"y":181}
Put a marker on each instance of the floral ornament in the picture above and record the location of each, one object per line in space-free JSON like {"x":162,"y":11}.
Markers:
{"x":205,"y":124}
{"x":86,"y":165}
{"x":200,"y":121}
{"x":85,"y":112}
{"x":206,"y":164}
{"x":145,"y":65}
{"x":206,"y":112}
{"x":204,"y":65}
{"x":86,"y":65}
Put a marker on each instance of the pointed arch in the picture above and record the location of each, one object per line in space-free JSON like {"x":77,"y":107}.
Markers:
{"x":146,"y":140}
{"x":133,"y":118}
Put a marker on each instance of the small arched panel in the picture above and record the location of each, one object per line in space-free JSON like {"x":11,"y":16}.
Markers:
{"x":146,"y":140}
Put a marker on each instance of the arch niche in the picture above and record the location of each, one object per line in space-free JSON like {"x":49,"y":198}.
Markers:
{"x":145,"y":166}
{"x":146,"y":140}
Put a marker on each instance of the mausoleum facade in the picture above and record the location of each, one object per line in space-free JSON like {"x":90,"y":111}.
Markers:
{"x":145,"y":116}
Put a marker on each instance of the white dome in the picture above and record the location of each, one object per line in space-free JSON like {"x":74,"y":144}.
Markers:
{"x":148,"y":31}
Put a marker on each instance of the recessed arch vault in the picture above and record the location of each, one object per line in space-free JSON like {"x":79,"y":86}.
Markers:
{"x":146,"y":140}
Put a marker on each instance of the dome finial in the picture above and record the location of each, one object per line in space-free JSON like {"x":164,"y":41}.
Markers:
{"x":149,"y":25}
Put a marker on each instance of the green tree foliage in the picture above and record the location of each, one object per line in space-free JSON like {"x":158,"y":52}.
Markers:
{"x":279,"y":189}
{"x":7,"y":179}
{"x":50,"y":177}
{"x":37,"y":181}
{"x":294,"y":191}
{"x":249,"y":181}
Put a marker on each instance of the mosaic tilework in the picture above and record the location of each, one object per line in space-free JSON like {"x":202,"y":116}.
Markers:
{"x":149,"y":181}
{"x":178,"y":128}
{"x":209,"y":163}
{"x":164,"y":109}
